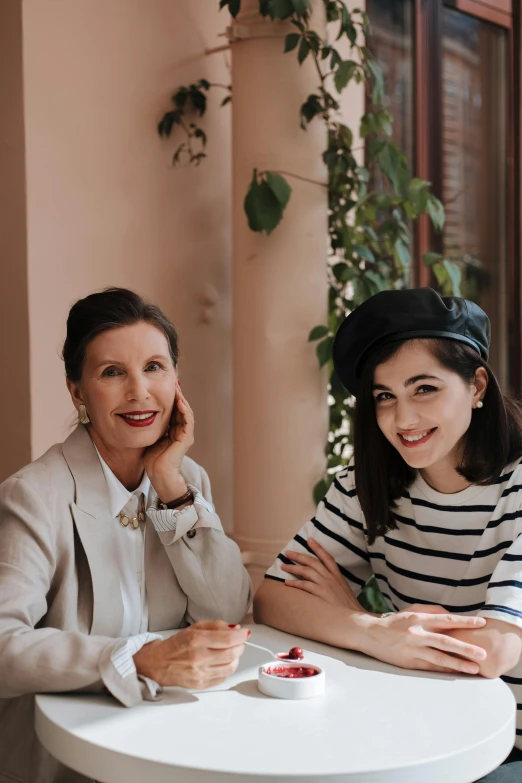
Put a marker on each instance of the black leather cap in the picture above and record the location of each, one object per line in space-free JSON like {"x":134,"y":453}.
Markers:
{"x":390,"y":316}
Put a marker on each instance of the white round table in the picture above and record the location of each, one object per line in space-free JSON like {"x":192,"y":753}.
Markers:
{"x":374,"y":724}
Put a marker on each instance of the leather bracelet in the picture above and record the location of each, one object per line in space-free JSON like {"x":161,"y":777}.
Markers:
{"x":188,"y":496}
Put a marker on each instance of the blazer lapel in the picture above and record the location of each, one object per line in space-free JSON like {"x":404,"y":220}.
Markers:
{"x":95,"y":528}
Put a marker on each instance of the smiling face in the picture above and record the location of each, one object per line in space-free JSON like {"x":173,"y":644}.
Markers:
{"x":128,"y":386}
{"x":423,"y":408}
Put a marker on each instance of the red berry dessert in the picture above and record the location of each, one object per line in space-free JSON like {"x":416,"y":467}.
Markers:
{"x":295,"y":654}
{"x":292,"y":672}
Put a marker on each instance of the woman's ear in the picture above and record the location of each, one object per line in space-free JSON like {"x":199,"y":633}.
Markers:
{"x":480,"y":384}
{"x":75,"y":392}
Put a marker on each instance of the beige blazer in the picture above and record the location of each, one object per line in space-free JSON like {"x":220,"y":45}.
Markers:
{"x":60,"y":602}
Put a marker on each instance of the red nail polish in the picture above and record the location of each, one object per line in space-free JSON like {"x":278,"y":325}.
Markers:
{"x":234,"y":625}
{"x":249,"y":634}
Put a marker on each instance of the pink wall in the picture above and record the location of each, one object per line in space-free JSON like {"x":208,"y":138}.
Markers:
{"x":105,"y":208}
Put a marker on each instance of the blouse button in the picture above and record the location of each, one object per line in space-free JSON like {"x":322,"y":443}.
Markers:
{"x":191,"y":533}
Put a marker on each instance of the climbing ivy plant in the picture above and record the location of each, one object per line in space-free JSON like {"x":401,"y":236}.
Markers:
{"x":371,"y":206}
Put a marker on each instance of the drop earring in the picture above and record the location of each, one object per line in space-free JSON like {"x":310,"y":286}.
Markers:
{"x":83,"y":416}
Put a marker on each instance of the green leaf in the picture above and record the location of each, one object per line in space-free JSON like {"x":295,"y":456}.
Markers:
{"x":372,"y":599}
{"x":394,"y":165}
{"x":375,"y":281}
{"x":200,"y":134}
{"x":429,"y":259}
{"x":291,"y":41}
{"x":324,"y":351}
{"x":364,"y":252}
{"x":347,"y":27}
{"x":262,"y":208}
{"x":448,"y":277}
{"x":302,"y":6}
{"x":363,"y":289}
{"x":378,"y":81}
{"x":332,"y":11}
{"x":436,"y":212}
{"x":335,"y":59}
{"x":304,"y":51}
{"x":310,"y":109}
{"x":343,"y":273}
{"x":326,"y":50}
{"x":234,"y":6}
{"x":279,"y":187}
{"x":226,"y":100}
{"x":402,"y":254}
{"x":198,"y":98}
{"x":344,"y":73}
{"x":167,"y":122}
{"x":455,"y":276}
{"x":317,"y":332}
{"x":281,"y":9}
{"x":418,"y":194}
{"x":320,"y":490}
{"x":180,"y":97}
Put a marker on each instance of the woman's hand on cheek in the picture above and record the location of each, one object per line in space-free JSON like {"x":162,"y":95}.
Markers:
{"x":163,"y":460}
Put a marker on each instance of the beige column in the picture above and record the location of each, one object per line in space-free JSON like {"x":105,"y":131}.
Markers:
{"x":279,"y":294}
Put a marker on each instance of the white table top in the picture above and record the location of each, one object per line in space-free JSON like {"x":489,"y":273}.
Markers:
{"x":374,"y":724}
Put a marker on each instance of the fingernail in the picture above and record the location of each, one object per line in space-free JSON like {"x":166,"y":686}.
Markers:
{"x":234,"y":625}
{"x":249,"y":634}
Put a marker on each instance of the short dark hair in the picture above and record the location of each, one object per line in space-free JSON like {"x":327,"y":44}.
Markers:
{"x":492,"y":441}
{"x":104,"y":310}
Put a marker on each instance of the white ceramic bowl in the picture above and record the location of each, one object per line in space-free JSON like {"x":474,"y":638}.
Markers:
{"x":290,"y":687}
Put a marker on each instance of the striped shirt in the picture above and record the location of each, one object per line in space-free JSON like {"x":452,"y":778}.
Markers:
{"x":462,"y":551}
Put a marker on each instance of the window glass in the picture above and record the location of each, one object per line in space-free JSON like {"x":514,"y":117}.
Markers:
{"x":392,"y":45}
{"x":474,"y":151}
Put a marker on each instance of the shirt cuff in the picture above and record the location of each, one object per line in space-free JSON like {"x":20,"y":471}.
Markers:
{"x":121,"y":656}
{"x":166,"y":520}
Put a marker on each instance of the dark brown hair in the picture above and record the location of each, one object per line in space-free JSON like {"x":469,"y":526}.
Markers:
{"x":109,"y":309}
{"x":492,"y":441}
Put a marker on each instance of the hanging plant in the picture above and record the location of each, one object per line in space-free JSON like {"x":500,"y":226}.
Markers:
{"x":371,"y":207}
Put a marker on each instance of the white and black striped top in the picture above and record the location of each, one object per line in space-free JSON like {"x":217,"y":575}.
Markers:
{"x":462,"y":551}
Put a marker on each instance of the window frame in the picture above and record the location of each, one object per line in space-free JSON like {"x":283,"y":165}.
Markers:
{"x":428,"y":157}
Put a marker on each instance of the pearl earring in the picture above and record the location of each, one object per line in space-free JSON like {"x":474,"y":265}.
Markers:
{"x":480,"y":404}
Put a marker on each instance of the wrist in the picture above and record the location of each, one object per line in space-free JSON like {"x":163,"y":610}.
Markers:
{"x":170,"y":488}
{"x":367,"y":630}
{"x":145,"y":661}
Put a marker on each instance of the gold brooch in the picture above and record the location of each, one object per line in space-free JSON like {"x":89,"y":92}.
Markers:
{"x":134,"y":522}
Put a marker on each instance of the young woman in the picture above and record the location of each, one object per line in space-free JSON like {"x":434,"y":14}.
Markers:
{"x":431,"y":505}
{"x":112,"y":536}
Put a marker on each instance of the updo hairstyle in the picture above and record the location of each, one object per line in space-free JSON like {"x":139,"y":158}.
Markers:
{"x":111,"y":308}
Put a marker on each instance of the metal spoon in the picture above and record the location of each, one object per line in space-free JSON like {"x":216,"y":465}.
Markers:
{"x":265,"y":649}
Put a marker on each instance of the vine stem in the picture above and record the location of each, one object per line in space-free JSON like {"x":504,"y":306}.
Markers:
{"x":296,"y":176}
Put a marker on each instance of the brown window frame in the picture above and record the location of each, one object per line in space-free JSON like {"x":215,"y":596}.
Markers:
{"x":428,"y":143}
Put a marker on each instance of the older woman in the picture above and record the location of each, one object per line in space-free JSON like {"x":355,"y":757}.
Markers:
{"x":112,"y":536}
